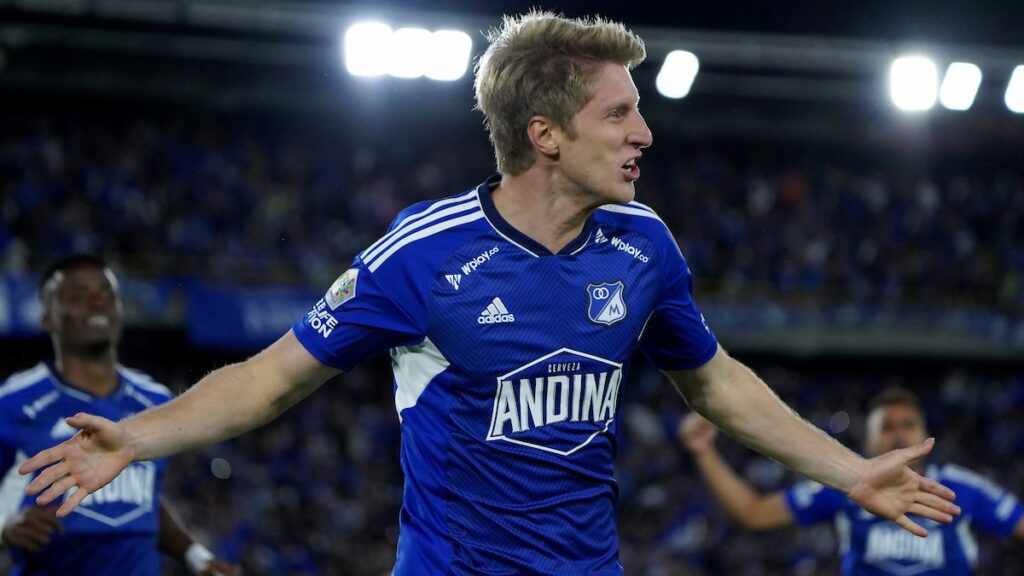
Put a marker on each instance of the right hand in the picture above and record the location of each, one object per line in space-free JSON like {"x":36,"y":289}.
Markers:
{"x":697,"y":433}
{"x":89,"y":460}
{"x":31,"y":528}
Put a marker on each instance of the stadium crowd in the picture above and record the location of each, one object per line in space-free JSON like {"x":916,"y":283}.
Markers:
{"x":244,"y":203}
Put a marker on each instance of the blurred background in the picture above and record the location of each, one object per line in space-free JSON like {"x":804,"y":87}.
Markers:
{"x":846,"y":181}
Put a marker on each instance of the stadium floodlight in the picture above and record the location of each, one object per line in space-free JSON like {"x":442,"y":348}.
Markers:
{"x":677,"y":74}
{"x":960,"y":86}
{"x":410,"y":52}
{"x":913,"y":83}
{"x":367,"y":49}
{"x":449,"y":55}
{"x":1015,"y":91}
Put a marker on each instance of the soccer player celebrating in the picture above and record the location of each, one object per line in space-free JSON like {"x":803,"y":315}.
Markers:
{"x":511,"y":312}
{"x":870,"y":546}
{"x":120,"y":529}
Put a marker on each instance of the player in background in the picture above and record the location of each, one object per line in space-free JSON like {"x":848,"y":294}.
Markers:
{"x":121,"y":529}
{"x":511,"y":312}
{"x":869,"y":545}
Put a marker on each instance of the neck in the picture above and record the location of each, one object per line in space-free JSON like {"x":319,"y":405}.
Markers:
{"x":543,"y":206}
{"x":95,"y":374}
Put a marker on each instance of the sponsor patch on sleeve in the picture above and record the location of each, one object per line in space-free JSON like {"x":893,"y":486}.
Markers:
{"x":343,"y":289}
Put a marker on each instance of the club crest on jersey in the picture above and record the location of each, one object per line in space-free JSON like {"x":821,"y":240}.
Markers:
{"x":343,"y":289}
{"x":558,"y":403}
{"x":607,"y":302}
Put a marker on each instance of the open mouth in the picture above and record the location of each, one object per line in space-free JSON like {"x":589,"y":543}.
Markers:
{"x":98,"y":321}
{"x":630,"y":170}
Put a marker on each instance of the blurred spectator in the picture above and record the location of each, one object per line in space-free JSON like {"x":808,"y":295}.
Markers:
{"x":236,"y":202}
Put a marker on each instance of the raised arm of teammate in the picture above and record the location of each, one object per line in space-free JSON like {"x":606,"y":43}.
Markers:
{"x":740,"y":404}
{"x":748,"y":508}
{"x":176,"y":542}
{"x":224,"y":404}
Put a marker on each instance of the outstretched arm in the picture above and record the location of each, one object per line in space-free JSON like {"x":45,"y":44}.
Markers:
{"x":740,"y":404}
{"x":748,"y":508}
{"x":174,"y":541}
{"x":224,"y":404}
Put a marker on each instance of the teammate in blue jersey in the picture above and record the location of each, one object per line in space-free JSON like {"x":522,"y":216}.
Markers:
{"x":121,"y":529}
{"x":511,"y":312}
{"x":870,"y":546}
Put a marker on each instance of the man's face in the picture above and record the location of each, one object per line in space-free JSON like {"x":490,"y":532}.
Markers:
{"x":84,"y":309}
{"x":609,"y":134}
{"x":892,"y":427}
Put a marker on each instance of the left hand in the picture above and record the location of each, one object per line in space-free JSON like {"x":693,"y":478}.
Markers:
{"x":890,"y":489}
{"x":220,"y":568}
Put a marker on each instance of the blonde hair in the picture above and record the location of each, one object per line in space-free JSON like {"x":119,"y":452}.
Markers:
{"x":544,"y":64}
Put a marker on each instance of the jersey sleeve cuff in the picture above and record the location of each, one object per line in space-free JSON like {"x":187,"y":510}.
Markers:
{"x":308,"y":341}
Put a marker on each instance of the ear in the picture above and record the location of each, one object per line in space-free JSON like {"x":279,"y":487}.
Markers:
{"x":545,"y":136}
{"x":46,"y":321}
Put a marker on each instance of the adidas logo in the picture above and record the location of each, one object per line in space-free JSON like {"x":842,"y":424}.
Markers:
{"x":495,"y":313}
{"x":600,"y":238}
{"x":453,"y":279}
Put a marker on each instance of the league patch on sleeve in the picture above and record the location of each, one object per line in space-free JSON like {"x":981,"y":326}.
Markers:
{"x":343,"y":289}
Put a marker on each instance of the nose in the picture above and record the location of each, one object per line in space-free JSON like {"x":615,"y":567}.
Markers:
{"x":641,"y":135}
{"x":99,"y":300}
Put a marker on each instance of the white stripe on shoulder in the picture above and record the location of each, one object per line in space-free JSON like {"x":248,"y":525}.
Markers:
{"x":396,"y":235}
{"x":632,"y":210}
{"x":430,"y":231}
{"x":139,"y":397}
{"x":144,"y":381}
{"x":24,"y":379}
{"x":971,"y":478}
{"x":456,"y":204}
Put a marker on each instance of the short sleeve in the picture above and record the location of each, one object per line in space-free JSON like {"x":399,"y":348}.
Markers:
{"x":359,"y":317}
{"x":677,"y":336}
{"x":992,"y":508}
{"x":811,"y":502}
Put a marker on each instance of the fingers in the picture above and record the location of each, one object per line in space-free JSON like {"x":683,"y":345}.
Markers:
{"x":31,"y":529}
{"x":915,"y":452}
{"x":43,"y":459}
{"x":933,"y":487}
{"x":911,"y":526}
{"x":83,"y":421}
{"x":936,"y":503}
{"x":44,"y":517}
{"x":930,"y":513}
{"x":72,"y":502}
{"x":48,"y":476}
{"x":27,"y":538}
{"x":54,"y":491}
{"x":221,"y":568}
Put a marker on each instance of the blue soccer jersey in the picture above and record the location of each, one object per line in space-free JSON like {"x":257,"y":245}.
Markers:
{"x":872,"y":546}
{"x":509,"y":365}
{"x":113,"y":532}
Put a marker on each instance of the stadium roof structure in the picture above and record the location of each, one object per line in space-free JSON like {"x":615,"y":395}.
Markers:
{"x":275,"y":54}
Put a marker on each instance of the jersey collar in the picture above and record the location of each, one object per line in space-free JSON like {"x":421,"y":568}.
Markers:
{"x":510,"y":233}
{"x":75,"y":392}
